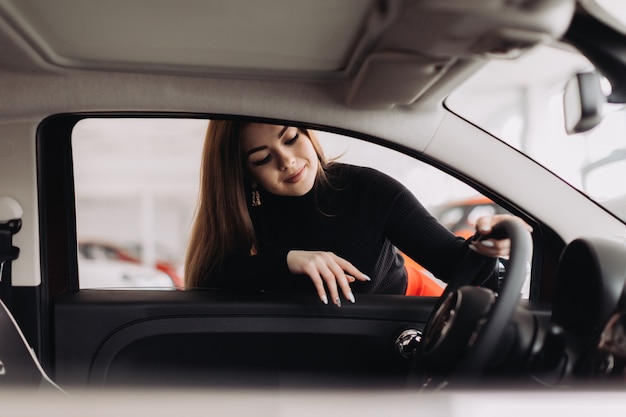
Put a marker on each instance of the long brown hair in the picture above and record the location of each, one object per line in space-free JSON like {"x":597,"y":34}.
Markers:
{"x":222,"y":224}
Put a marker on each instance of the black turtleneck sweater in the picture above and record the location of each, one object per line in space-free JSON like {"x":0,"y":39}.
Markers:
{"x":362,"y":215}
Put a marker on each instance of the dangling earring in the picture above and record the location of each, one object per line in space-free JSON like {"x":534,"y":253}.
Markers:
{"x":256,"y":197}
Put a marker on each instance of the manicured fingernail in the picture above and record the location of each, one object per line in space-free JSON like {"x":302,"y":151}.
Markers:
{"x":472,"y":247}
{"x":366,"y":277}
{"x":324,"y":299}
{"x":487,"y":243}
{"x":351,"y":298}
{"x":338,"y":302}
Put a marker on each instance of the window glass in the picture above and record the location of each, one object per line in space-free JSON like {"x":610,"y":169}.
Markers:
{"x":137,"y":182}
{"x":521,"y":102}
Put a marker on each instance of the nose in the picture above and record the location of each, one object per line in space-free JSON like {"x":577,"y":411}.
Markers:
{"x":285,"y":159}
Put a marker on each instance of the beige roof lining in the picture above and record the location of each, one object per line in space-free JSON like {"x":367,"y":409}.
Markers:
{"x":272,"y":38}
{"x":364,"y":44}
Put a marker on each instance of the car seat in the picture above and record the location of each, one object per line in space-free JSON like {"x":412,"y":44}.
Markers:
{"x":19,"y":367}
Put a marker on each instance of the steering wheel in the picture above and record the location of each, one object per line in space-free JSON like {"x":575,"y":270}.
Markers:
{"x":463,"y":334}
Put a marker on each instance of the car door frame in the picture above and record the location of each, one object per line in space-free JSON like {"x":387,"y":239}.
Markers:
{"x":82,"y":333}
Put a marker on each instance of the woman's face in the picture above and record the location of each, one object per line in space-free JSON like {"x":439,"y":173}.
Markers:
{"x":280,"y":158}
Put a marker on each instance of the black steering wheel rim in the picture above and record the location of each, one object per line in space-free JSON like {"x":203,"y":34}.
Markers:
{"x":483,"y":339}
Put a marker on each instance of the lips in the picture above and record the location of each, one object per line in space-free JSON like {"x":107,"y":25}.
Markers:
{"x":296,"y":176}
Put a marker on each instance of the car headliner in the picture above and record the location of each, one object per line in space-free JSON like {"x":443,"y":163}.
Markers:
{"x":348,"y":52}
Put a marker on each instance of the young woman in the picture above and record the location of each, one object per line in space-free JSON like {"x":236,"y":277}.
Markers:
{"x":274,"y":214}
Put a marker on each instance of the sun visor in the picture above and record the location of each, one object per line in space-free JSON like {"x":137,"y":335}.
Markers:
{"x":389,"y":79}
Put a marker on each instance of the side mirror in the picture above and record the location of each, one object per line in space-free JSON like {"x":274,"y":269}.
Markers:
{"x":583,"y":102}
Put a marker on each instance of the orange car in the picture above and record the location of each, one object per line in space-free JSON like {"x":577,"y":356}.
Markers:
{"x":460,"y":216}
{"x":420,"y":281}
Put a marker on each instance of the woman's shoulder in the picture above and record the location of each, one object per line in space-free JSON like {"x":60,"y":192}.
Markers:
{"x":355,"y":174}
{"x":364,"y":181}
{"x":343,"y":170}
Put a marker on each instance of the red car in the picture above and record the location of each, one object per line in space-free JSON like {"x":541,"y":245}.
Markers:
{"x":112,"y":251}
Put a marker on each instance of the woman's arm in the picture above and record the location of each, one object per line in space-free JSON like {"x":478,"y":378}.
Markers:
{"x":413,"y":230}
{"x":278,"y":269}
{"x":417,"y":233}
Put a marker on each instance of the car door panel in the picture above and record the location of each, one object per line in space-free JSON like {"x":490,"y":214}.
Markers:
{"x":215,"y":338}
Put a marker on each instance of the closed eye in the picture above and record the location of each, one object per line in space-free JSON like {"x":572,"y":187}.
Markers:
{"x":293,"y":140}
{"x":262,"y":161}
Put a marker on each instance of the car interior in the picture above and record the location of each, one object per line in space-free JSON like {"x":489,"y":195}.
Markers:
{"x":377,"y":72}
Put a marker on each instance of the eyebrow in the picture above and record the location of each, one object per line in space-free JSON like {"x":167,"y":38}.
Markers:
{"x":282,"y":131}
{"x":253,"y":150}
{"x":260,"y":148}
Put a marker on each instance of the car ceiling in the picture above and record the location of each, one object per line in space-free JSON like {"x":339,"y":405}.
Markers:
{"x":350,"y":49}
